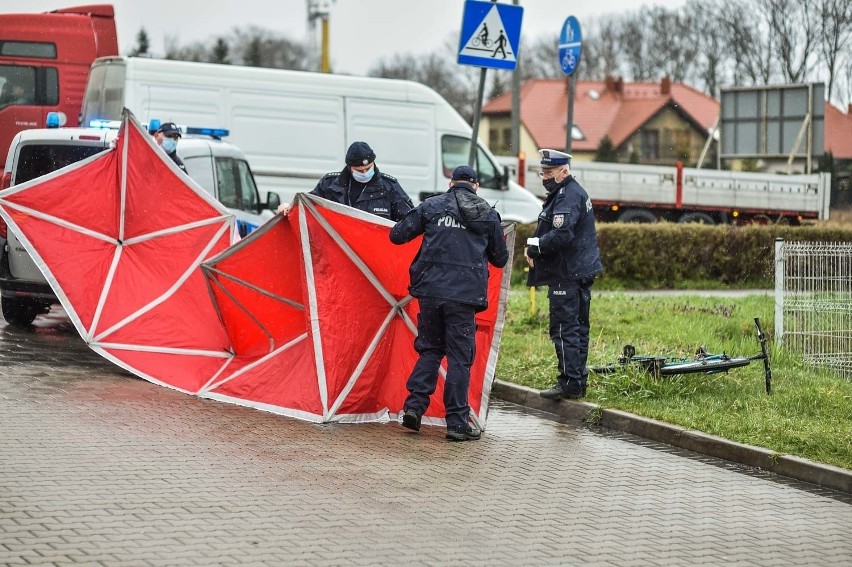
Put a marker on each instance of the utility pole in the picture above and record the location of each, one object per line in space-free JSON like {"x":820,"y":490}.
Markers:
{"x":516,"y":105}
{"x":320,"y":10}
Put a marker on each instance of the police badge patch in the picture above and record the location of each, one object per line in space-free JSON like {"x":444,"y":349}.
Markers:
{"x":558,"y":221}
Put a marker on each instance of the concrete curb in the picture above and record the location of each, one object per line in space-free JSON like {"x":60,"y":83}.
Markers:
{"x":827,"y":476}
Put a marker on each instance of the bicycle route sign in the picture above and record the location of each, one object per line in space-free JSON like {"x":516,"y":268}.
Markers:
{"x":490,"y":35}
{"x":570,"y":45}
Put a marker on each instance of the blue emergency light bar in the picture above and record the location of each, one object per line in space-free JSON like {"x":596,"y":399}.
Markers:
{"x":212,"y":132}
{"x":105,"y":124}
{"x":52,"y":120}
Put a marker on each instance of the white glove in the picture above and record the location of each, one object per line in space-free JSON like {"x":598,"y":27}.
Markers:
{"x":532,"y":241}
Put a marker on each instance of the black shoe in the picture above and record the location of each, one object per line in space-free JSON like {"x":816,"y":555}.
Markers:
{"x":559,"y":393}
{"x":469,"y":434}
{"x":411,"y":420}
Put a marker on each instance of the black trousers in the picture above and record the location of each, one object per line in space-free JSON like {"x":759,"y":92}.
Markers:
{"x":444,"y":328}
{"x":570,"y":303}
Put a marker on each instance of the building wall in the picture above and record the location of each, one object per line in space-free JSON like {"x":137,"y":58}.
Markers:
{"x":502,"y":128}
{"x":676,"y":139}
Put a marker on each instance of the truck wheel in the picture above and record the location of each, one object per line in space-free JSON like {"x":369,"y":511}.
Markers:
{"x":20,"y":312}
{"x":697,"y":216}
{"x":637,"y":215}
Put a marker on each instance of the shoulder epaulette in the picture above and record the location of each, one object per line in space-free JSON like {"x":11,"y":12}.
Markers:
{"x":332,"y":174}
{"x":391,"y":177}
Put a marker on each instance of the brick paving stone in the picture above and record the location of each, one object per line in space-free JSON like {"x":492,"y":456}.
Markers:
{"x":100,"y":468}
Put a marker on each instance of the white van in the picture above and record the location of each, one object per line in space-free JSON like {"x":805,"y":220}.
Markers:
{"x":295,"y":126}
{"x":217,"y":166}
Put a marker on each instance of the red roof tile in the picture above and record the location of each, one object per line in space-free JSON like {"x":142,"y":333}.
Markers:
{"x":599,"y":111}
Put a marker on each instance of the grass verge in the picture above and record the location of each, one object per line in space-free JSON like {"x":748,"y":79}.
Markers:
{"x":808,"y":414}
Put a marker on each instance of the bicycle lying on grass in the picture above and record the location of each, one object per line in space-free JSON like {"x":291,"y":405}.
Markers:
{"x":704,"y":362}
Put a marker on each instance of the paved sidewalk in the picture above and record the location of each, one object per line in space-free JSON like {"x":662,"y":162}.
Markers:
{"x":100,"y":468}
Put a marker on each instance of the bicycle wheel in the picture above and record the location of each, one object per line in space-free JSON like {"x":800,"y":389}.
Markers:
{"x":706,"y":366}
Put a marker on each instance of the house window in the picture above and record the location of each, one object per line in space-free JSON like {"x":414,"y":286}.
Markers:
{"x":506,"y":148}
{"x":493,"y":139}
{"x":650,"y":144}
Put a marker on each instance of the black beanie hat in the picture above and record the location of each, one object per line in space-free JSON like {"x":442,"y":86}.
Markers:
{"x":360,"y":153}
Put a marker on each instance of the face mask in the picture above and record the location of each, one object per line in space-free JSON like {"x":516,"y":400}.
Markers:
{"x":550,"y":184}
{"x":169,"y":145}
{"x":363,"y":177}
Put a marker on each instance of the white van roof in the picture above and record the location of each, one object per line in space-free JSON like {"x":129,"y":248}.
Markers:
{"x":316,"y":84}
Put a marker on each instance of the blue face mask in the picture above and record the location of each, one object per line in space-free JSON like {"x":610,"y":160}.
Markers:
{"x":169,"y":145}
{"x":363,"y":177}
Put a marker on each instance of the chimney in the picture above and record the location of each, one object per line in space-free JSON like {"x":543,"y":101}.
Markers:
{"x":610,"y":83}
{"x":666,"y":86}
{"x":849,"y":109}
{"x":619,"y":85}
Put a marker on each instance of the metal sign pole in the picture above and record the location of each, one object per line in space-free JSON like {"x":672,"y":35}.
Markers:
{"x":477,"y":110}
{"x":569,"y":135}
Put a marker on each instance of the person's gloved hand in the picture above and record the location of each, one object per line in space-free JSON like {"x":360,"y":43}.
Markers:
{"x":533,"y":251}
{"x":283,"y":208}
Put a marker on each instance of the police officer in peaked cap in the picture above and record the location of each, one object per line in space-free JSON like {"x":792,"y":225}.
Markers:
{"x":449,"y":277}
{"x":167,"y":136}
{"x":361,"y":185}
{"x":563,"y":254}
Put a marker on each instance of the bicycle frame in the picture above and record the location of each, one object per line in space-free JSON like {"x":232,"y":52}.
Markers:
{"x":703,"y":362}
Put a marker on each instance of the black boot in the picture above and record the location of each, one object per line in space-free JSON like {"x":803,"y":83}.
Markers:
{"x":468,"y":434}
{"x":563,"y":393}
{"x":411,"y":420}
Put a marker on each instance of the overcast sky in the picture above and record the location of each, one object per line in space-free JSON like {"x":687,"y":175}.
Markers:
{"x":362,"y":31}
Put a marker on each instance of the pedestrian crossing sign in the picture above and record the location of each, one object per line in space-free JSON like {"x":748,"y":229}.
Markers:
{"x":490,"y":35}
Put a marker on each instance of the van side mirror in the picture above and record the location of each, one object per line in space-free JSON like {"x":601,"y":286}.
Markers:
{"x":273,"y":200}
{"x":504,"y":181}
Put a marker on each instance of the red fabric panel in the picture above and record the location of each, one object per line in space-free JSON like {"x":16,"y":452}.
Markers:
{"x":186,"y":320}
{"x":156,"y":197}
{"x":349,"y":307}
{"x":79,"y":263}
{"x":86,"y":196}
{"x":287,"y":380}
{"x":371,"y":242}
{"x":279,"y":322}
{"x":270,"y":259}
{"x":383,"y":382}
{"x":187,"y":372}
{"x":149,"y":268}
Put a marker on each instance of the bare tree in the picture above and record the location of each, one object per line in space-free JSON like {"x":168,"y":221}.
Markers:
{"x":710,"y":54}
{"x":750,"y":45}
{"x":602,"y":49}
{"x":835,"y":17}
{"x":792,"y":22}
{"x":540,"y":58}
{"x":634,"y":40}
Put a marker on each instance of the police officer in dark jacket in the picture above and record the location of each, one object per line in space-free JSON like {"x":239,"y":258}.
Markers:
{"x":564,"y":255}
{"x":449,"y":277}
{"x":361,"y":185}
{"x":167,"y":136}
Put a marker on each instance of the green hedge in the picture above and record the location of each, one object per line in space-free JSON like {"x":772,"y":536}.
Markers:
{"x":671,"y":256}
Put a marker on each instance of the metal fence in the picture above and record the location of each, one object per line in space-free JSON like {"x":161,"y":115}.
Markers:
{"x":813,"y":302}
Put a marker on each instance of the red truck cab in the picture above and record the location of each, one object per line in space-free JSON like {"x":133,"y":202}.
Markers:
{"x":44,"y":64}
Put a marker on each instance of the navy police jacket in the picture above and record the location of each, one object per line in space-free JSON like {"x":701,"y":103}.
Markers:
{"x":461,"y":234}
{"x":382,"y":195}
{"x":568,"y":241}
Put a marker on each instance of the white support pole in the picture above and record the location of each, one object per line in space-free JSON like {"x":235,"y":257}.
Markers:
{"x":779,"y":291}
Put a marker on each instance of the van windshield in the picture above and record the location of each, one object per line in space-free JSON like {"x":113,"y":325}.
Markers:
{"x":104,"y":93}
{"x":455,"y":151}
{"x":40,"y":159}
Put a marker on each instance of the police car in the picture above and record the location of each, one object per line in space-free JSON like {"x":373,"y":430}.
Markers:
{"x":217,"y":166}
